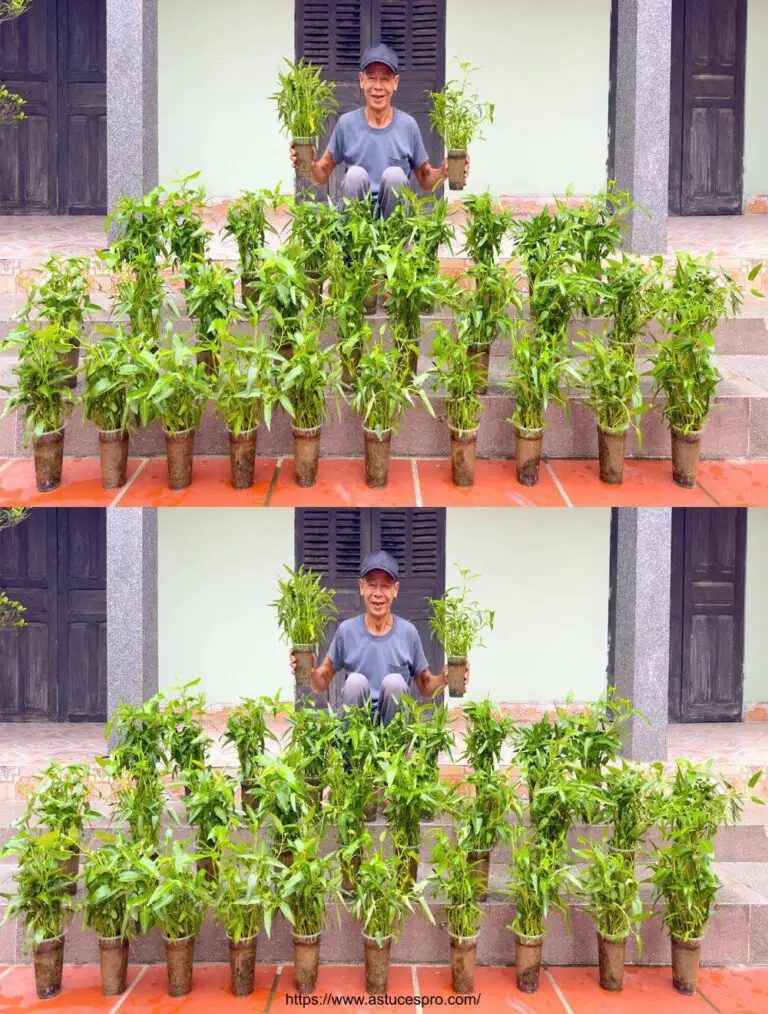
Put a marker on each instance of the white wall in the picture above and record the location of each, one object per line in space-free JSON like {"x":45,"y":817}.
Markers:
{"x":756,"y":133}
{"x":217,"y":572}
{"x":755,"y":626}
{"x":545,"y":572}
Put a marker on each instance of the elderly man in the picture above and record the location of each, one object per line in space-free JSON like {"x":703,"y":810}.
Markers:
{"x":381,"y":653}
{"x":380,"y":144}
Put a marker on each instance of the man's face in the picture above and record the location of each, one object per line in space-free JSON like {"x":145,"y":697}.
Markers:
{"x":379,"y":591}
{"x":379,"y":84}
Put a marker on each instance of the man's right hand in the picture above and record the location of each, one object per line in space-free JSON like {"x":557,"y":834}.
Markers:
{"x":292,"y":150}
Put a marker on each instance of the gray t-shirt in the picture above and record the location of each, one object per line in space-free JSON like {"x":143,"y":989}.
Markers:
{"x":375,"y":149}
{"x":356,"y":649}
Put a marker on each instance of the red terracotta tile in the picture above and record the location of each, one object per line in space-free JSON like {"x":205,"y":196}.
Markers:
{"x":495,"y":485}
{"x":646,"y":484}
{"x":338,"y":981}
{"x":645,"y":989}
{"x":496,"y":988}
{"x":80,"y":991}
{"x":210,"y":994}
{"x":80,"y":485}
{"x":733,"y":483}
{"x":735,"y":990}
{"x":211,"y":486}
{"x":341,"y":483}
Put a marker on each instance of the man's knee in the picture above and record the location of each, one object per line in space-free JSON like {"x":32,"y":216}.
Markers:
{"x":394,"y":685}
{"x":393,"y":178}
{"x":356,"y":182}
{"x":356,"y":690}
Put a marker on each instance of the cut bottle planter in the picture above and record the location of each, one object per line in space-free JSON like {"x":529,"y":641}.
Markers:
{"x":48,"y":959}
{"x":482,"y":357}
{"x":463,"y":962}
{"x":528,"y":455}
{"x":457,"y":160}
{"x":686,"y":448}
{"x":457,"y":671}
{"x":306,"y":959}
{"x":180,"y":958}
{"x":306,"y":452}
{"x":71,"y":360}
{"x":377,"y":454}
{"x":685,"y":964}
{"x":377,"y":960}
{"x":611,"y":451}
{"x":71,"y":868}
{"x":113,"y":957}
{"x":242,"y":458}
{"x":113,"y":450}
{"x":303,"y":654}
{"x":528,"y":962}
{"x":180,"y":452}
{"x":303,"y":148}
{"x":48,"y":454}
{"x":349,"y":871}
{"x":242,"y":965}
{"x":611,"y":955}
{"x":480,"y":861}
{"x":463,"y":456}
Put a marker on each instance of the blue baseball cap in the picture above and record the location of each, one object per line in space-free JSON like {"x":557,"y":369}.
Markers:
{"x":380,"y":561}
{"x":380,"y":54}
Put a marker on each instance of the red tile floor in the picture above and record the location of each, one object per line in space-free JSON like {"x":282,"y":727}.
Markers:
{"x":562,"y":991}
{"x":423,"y":482}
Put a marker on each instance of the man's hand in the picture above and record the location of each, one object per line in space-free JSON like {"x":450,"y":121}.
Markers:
{"x":292,"y":150}
{"x":319,"y":683}
{"x":466,"y":168}
{"x":444,"y":676}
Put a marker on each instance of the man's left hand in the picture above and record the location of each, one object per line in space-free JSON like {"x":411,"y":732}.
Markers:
{"x":466,"y":169}
{"x":444,"y":676}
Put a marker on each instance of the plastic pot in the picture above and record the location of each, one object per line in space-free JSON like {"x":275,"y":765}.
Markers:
{"x":306,"y":959}
{"x":372,"y":806}
{"x":612,"y":449}
{"x":377,"y":450}
{"x":179,"y":957}
{"x":480,"y":860}
{"x":528,"y":455}
{"x":242,"y":458}
{"x":303,"y":148}
{"x":315,"y":793}
{"x":463,"y":961}
{"x":206,"y":863}
{"x":286,"y":858}
{"x":306,"y":451}
{"x":685,"y":964}
{"x":372,"y":299}
{"x":48,"y":960}
{"x":247,"y":796}
{"x":113,"y":449}
{"x":482,"y":357}
{"x":349,"y":873}
{"x":71,"y":360}
{"x":113,"y":956}
{"x":377,"y":958}
{"x":303,"y":654}
{"x":242,"y":965}
{"x":315,"y":285}
{"x":179,"y":452}
{"x":349,"y":368}
{"x":410,"y":861}
{"x":463,"y":455}
{"x":457,"y":160}
{"x":48,"y":454}
{"x":611,"y":955}
{"x":528,"y":962}
{"x":457,"y":671}
{"x":209,"y":359}
{"x":686,"y":448}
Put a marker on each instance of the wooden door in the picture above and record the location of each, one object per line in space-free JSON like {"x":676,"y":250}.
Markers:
{"x":334,"y":33}
{"x":54,"y":563}
{"x":707,"y":620}
{"x":707,"y":112}
{"x":54,"y":56}
{"x":335,"y":541}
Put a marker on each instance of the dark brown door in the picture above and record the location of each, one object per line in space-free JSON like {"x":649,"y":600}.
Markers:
{"x":707,"y":114}
{"x":707,"y":622}
{"x":54,"y":56}
{"x":54,"y":563}
{"x":334,"y":542}
{"x":334,"y":33}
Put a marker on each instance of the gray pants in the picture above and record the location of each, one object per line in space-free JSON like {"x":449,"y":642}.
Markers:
{"x":356,"y":185}
{"x":356,"y":692}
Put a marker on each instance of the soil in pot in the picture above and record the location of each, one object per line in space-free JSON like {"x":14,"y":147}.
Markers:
{"x":180,"y":957}
{"x":306,"y":451}
{"x":457,"y":160}
{"x":463,"y":455}
{"x":286,"y":858}
{"x":611,"y":956}
{"x":179,"y":450}
{"x":457,"y":671}
{"x":685,"y":457}
{"x":481,"y":862}
{"x":528,"y":962}
{"x":377,"y":964}
{"x":463,"y":961}
{"x":303,"y":148}
{"x":349,"y":368}
{"x":685,"y":964}
{"x":303,"y":654}
{"x":48,"y":958}
{"x":528,"y":455}
{"x":377,"y":450}
{"x":113,"y":955}
{"x":612,"y":448}
{"x":306,"y":958}
{"x":113,"y":448}
{"x":349,"y":871}
{"x":242,"y":965}
{"x":482,"y":357}
{"x":209,"y":358}
{"x":242,"y":458}
{"x":71,"y":360}
{"x":48,"y":453}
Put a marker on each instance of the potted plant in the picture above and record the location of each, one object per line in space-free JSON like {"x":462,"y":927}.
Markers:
{"x":457,"y":116}
{"x":244,"y":902}
{"x":248,"y":731}
{"x":362,"y":744}
{"x":483,"y":822}
{"x":279,"y":293}
{"x":114,"y":875}
{"x":304,"y":102}
{"x":488,"y":729}
{"x":538,"y":875}
{"x":246,"y":392}
{"x":350,"y":784}
{"x":629,"y":298}
{"x":186,"y":232}
{"x":630,"y":804}
{"x":381,"y":902}
{"x":421,"y":221}
{"x":248,"y":223}
{"x":113,"y":367}
{"x":383,"y":390}
{"x":314,"y":229}
{"x":141,"y":227}
{"x":187,"y":741}
{"x":43,"y":393}
{"x":141,"y":295}
{"x":210,"y":299}
{"x":485,"y":312}
{"x":461,"y":376}
{"x":454,"y":881}
{"x":139,"y":734}
{"x":410,"y":278}
{"x":308,"y":888}
{"x":281,"y":802}
{"x":410,"y":788}
{"x":346,"y":306}
{"x":361,"y":246}
{"x":211,"y":809}
{"x":42,"y":900}
{"x":458,"y":623}
{"x":309,"y":382}
{"x":177,"y":903}
{"x":313,"y":733}
{"x":304,"y":609}
{"x":486,"y":228}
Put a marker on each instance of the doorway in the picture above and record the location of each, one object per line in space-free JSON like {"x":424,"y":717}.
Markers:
{"x":55,"y":161}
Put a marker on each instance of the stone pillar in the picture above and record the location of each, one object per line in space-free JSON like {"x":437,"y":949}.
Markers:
{"x":132,"y":157}
{"x":642,"y":564}
{"x":643,"y":69}
{"x":132,"y":662}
